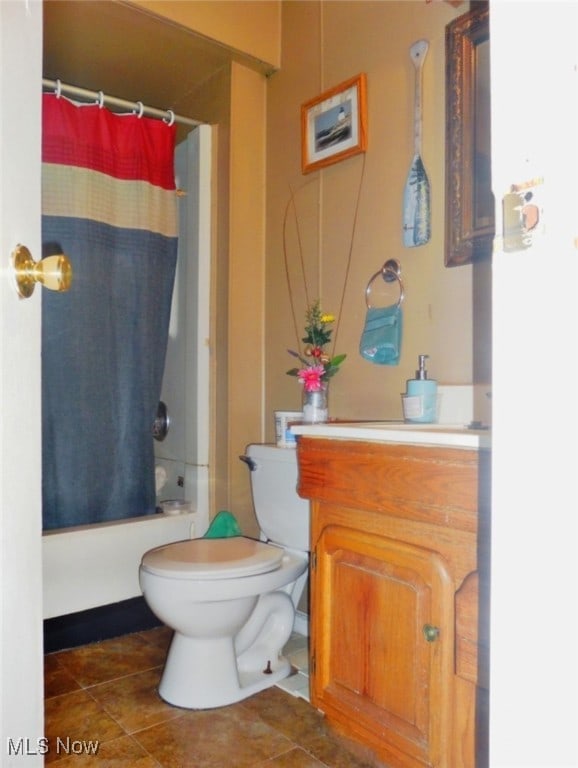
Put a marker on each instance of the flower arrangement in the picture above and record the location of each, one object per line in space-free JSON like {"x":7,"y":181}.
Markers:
{"x":318,"y":366}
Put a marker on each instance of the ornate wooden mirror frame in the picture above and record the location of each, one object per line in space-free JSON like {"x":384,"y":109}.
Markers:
{"x":469,"y":201}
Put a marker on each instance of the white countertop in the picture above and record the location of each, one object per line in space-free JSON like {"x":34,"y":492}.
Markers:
{"x":454,"y":436}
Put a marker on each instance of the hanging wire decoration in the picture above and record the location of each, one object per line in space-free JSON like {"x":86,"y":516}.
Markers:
{"x":291,"y":204}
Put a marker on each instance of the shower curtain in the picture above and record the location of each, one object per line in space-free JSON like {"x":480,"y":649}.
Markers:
{"x":108,"y":203}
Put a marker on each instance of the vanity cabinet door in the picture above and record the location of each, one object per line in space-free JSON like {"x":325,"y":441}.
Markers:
{"x":383,"y":643}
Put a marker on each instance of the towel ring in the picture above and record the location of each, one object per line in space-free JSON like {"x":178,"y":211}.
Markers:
{"x":390,"y":271}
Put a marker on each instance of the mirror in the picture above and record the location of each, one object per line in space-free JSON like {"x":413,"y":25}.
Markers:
{"x":469,"y":200}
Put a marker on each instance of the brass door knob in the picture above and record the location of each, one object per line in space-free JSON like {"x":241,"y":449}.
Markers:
{"x":53,"y":272}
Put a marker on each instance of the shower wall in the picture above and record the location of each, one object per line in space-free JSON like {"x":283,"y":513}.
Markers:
{"x":184,"y":453}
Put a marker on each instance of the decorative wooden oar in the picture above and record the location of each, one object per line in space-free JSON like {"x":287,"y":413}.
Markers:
{"x":416,"y":195}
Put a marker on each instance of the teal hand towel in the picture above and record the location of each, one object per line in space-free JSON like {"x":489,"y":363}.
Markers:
{"x":224,"y":524}
{"x":381,"y":338}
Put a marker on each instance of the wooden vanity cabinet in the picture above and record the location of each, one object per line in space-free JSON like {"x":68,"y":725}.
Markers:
{"x":394,"y":596}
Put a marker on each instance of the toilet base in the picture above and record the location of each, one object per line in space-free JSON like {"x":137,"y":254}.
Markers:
{"x":202,"y":673}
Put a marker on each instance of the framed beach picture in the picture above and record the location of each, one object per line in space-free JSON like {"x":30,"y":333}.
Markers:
{"x":334,"y":125}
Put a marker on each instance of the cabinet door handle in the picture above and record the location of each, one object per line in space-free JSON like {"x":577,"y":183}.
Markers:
{"x":431,"y":633}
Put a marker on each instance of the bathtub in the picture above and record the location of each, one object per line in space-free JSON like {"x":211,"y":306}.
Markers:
{"x":89,"y":566}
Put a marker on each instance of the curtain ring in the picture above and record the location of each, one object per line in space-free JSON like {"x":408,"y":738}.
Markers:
{"x":140,"y":112}
{"x":100,"y":100}
{"x":58,"y":89}
{"x":171,"y":118}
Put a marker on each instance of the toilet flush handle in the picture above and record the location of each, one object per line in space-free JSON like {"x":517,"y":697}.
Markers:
{"x":249,"y":462}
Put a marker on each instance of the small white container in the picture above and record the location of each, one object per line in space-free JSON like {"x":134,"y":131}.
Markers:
{"x":175,"y":507}
{"x":283,"y":420}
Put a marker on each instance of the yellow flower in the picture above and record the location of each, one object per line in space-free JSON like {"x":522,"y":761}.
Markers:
{"x":327,"y":319}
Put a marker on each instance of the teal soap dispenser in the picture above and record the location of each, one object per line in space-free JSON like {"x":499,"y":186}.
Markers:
{"x":421,"y":396}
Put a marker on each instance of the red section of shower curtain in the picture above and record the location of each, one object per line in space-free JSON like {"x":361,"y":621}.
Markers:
{"x":109,"y":142}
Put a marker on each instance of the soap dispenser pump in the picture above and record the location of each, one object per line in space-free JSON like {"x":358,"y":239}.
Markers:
{"x":420,"y":399}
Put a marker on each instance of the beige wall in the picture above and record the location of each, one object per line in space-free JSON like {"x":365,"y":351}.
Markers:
{"x":257,"y":161}
{"x":247,"y":288}
{"x":324,"y":44}
{"x":251,"y":27}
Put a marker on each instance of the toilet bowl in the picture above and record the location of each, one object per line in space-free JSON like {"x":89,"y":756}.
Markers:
{"x":231,"y":602}
{"x":231,"y":619}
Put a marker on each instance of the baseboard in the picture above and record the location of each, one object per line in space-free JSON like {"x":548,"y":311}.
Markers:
{"x":301,"y":624}
{"x":108,"y":621}
{"x":96,"y":624}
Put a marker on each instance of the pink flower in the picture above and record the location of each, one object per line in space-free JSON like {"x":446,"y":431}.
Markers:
{"x":311,"y":377}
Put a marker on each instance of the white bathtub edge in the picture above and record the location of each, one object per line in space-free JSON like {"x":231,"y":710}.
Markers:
{"x":88,"y":566}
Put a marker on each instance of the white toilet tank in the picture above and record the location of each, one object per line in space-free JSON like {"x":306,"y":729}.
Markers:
{"x":283,"y":516}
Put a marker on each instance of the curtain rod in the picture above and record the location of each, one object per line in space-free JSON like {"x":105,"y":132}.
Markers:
{"x":101,"y":99}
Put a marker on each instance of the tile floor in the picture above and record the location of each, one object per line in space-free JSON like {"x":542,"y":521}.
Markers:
{"x":102,"y":709}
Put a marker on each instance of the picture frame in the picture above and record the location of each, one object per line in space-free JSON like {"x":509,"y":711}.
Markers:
{"x":334,"y":124}
{"x":469,"y":220}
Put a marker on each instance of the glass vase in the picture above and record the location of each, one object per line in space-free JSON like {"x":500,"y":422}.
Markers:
{"x":315,"y":406}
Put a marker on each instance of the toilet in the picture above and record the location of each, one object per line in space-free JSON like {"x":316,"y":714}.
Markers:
{"x":231,"y":602}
